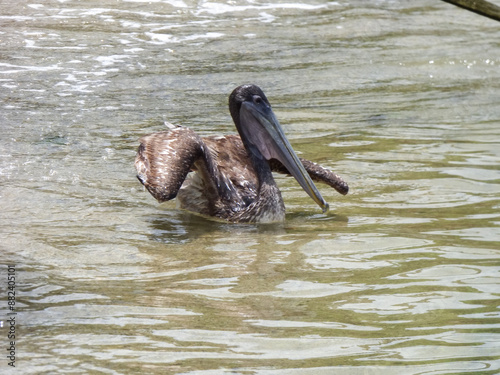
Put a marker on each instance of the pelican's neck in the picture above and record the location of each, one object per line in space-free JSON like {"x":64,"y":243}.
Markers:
{"x":260,"y":164}
{"x":269,"y":205}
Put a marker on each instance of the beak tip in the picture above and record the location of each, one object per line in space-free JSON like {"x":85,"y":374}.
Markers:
{"x":325,"y":208}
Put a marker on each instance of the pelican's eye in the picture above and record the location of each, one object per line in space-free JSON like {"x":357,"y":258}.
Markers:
{"x":257,"y":99}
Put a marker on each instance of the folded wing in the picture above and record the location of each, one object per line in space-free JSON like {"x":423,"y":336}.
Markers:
{"x":165,"y":158}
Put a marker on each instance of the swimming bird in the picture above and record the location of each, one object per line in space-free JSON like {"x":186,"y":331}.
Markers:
{"x":232,"y":177}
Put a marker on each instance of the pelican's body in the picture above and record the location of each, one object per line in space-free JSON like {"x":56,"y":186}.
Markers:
{"x":233,"y":174}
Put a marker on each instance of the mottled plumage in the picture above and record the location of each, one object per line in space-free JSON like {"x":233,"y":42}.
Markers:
{"x":233,"y":174}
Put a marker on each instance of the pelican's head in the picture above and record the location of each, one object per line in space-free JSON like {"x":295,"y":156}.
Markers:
{"x":261,"y":132}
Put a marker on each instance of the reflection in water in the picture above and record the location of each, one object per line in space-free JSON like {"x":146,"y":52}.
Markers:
{"x":401,"y":277}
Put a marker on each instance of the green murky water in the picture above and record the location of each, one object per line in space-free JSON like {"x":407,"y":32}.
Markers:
{"x":401,"y":276}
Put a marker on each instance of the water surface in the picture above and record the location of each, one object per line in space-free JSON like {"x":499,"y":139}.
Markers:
{"x":400,"y":277}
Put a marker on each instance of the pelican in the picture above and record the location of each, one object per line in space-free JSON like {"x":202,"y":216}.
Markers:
{"x":233,"y":177}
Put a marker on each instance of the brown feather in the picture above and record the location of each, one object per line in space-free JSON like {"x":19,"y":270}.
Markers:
{"x":164,"y":159}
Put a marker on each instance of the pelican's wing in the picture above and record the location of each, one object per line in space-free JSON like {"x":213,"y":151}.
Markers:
{"x":165,"y":158}
{"x":317,"y":173}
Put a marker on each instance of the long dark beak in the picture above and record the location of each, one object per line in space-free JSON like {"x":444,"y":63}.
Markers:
{"x":261,"y":128}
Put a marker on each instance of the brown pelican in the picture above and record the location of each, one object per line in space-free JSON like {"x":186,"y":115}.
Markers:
{"x":233,"y":174}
